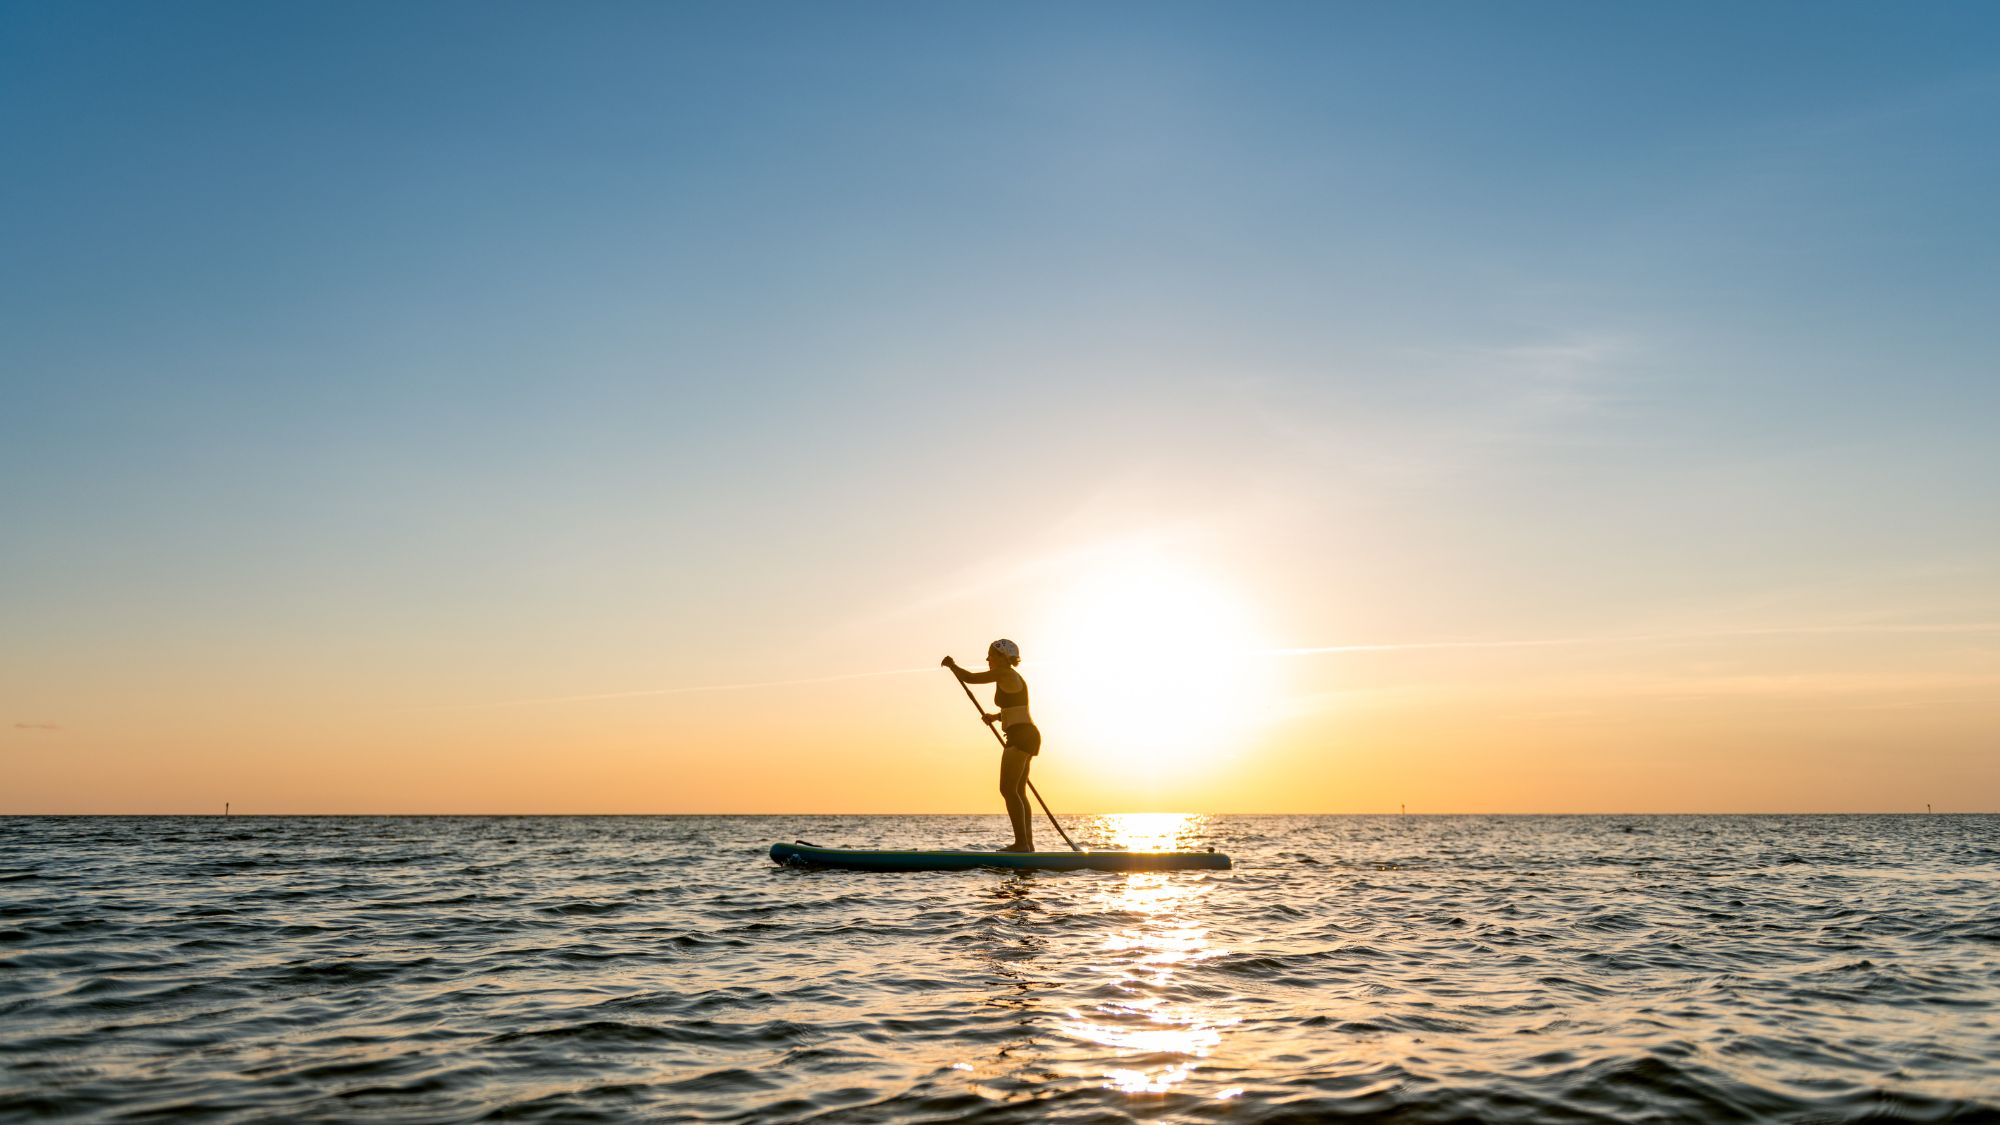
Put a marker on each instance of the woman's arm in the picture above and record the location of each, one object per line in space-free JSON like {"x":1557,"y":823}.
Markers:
{"x":965,"y":677}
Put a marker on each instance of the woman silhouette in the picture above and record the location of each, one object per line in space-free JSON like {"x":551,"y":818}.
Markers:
{"x":1024,"y":741}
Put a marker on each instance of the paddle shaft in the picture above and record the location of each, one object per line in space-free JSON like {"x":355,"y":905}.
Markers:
{"x":1031,"y":785}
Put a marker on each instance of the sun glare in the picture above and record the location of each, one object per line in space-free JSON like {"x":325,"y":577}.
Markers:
{"x":1146,"y":665}
{"x":1150,"y":831}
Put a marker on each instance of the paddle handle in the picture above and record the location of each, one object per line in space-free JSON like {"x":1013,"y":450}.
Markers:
{"x":974,"y":700}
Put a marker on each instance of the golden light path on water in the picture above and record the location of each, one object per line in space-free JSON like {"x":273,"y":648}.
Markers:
{"x":1163,"y":1039}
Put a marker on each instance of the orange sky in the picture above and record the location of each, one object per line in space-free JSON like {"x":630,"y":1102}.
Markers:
{"x":1160,"y":685}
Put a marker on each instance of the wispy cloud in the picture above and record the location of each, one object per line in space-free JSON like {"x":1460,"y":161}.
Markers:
{"x":1084,"y":551}
{"x":36,"y":726}
{"x":1844,"y":689}
{"x":695,"y":689}
{"x":1800,"y":685}
{"x":1646,"y":638}
{"x":1423,"y":414}
{"x":1547,"y":379}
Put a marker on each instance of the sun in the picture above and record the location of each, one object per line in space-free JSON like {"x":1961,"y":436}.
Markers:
{"x":1147,"y":664}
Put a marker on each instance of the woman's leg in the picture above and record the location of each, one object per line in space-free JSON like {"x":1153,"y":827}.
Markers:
{"x":1014,"y":790}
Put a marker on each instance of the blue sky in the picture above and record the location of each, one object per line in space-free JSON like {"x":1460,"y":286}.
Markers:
{"x":510,"y":339}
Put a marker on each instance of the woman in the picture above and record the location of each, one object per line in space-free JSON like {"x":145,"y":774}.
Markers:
{"x":1024,"y":741}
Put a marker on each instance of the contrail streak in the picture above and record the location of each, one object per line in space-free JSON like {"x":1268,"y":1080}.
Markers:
{"x":692,"y":690}
{"x":1309,"y":650}
{"x":1639,"y":638}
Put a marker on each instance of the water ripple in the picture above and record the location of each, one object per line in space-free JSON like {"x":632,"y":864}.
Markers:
{"x":614,"y":969}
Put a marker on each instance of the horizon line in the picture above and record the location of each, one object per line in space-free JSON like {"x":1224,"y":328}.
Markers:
{"x":1147,"y":812}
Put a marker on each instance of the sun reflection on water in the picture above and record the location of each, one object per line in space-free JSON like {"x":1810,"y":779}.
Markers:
{"x":1159,"y":1036}
{"x":1149,"y":832}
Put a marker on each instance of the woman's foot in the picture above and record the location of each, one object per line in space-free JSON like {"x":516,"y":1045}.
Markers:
{"x":1018,"y":846}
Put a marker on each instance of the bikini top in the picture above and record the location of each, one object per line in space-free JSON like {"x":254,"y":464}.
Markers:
{"x":1004,"y":699}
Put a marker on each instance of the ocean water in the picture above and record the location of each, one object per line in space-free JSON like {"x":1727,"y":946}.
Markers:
{"x":1546,"y":969}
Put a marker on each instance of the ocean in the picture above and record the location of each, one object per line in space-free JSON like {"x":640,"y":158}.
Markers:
{"x":1420,"y":968}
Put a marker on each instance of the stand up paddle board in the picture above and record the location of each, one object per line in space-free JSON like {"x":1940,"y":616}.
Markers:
{"x":802,"y":854}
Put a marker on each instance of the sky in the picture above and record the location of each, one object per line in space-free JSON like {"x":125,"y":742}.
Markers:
{"x":572,"y":408}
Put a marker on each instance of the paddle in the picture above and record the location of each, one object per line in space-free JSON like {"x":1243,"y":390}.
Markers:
{"x":1031,"y":784}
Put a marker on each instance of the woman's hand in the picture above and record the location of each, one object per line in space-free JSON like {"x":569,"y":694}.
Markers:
{"x":990,"y":719}
{"x":947,"y":662}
